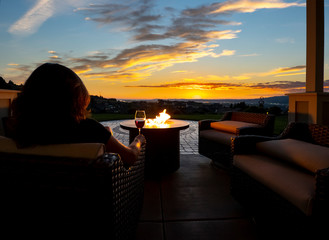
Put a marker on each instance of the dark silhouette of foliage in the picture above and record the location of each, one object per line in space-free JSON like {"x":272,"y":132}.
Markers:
{"x":10,"y":85}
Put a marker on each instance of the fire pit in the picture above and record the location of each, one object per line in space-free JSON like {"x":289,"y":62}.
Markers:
{"x":162,"y":148}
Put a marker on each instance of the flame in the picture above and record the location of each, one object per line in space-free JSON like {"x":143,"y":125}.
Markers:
{"x":158,"y":121}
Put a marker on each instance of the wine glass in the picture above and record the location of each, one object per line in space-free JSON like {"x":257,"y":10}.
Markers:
{"x":140,"y":118}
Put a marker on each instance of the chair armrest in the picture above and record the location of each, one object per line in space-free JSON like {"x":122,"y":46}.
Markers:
{"x":321,"y":205}
{"x":246,"y":143}
{"x":128,"y":195}
{"x":320,"y":134}
{"x":205,"y":124}
{"x":298,"y":131}
{"x":269,"y":124}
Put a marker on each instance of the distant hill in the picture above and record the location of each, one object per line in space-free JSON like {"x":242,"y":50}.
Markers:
{"x":279,"y":101}
{"x":269,"y":101}
{"x":10,"y":85}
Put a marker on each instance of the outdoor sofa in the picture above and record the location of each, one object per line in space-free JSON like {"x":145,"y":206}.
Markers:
{"x":215,"y":135}
{"x":284,"y":180}
{"x":78,"y":188}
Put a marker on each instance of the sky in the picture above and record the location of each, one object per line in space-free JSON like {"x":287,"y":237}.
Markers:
{"x":162,"y":49}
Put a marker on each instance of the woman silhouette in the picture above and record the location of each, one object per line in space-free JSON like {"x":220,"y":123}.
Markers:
{"x":52,"y":108}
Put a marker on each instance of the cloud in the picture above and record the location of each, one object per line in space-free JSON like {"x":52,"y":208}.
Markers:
{"x":42,"y":10}
{"x":153,"y":54}
{"x":295,"y":68}
{"x":33,"y":19}
{"x":138,"y":18}
{"x":140,"y":61}
{"x":285,"y":86}
{"x":125,"y":14}
{"x":115,"y":76}
{"x":54,"y":55}
{"x":181,"y":71}
{"x":191,"y":85}
{"x":225,"y":52}
{"x":19,"y":67}
{"x":242,"y":6}
{"x":250,"y":55}
{"x":279,"y":72}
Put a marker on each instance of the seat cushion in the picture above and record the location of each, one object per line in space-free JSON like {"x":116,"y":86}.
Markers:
{"x":231,"y":126}
{"x":309,"y":156}
{"x":217,"y":136}
{"x":74,"y":150}
{"x":296,"y":186}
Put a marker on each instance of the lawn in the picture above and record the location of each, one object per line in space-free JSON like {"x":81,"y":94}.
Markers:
{"x":279,"y":125}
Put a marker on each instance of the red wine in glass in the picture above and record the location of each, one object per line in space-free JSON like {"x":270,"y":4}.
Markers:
{"x":139,"y":123}
{"x":140,"y":118}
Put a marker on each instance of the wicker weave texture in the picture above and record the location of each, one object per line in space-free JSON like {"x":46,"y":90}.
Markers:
{"x":320,"y":134}
{"x":257,"y":118}
{"x":128,"y":196}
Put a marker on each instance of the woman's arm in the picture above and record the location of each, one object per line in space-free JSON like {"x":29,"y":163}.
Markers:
{"x":128,"y":154}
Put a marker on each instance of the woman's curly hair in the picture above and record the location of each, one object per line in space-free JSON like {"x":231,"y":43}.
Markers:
{"x":53,"y":98}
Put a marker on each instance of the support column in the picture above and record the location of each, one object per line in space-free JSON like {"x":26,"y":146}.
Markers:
{"x":315,"y":46}
{"x":313,"y":105}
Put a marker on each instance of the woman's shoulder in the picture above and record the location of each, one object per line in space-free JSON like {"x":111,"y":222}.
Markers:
{"x":93,"y":131}
{"x":90,"y":122}
{"x":92,"y":125}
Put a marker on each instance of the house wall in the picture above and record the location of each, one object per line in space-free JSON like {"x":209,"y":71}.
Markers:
{"x":6,"y":99}
{"x":309,"y":108}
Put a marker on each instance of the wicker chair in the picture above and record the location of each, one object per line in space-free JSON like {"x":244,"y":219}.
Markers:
{"x":215,"y":141}
{"x":255,"y":184}
{"x":76,"y":188}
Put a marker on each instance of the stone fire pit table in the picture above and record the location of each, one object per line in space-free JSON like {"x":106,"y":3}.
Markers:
{"x":162,"y":154}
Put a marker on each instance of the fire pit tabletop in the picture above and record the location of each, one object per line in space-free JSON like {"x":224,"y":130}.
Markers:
{"x":170,"y":124}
